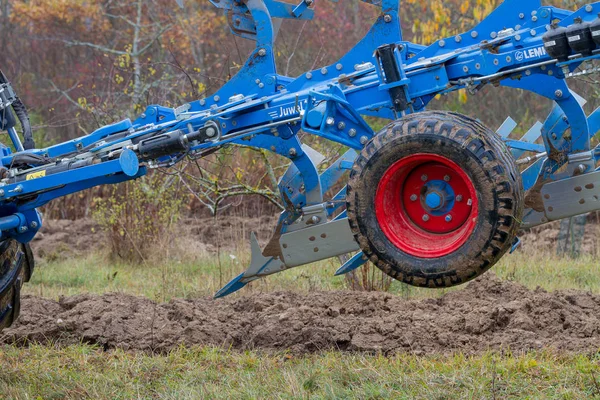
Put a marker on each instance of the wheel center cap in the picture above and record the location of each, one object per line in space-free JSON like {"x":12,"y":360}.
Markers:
{"x":433,"y":200}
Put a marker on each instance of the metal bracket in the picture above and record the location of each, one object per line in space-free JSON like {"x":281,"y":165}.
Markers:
{"x":573,"y":196}
{"x":7,"y":95}
{"x":317,"y":243}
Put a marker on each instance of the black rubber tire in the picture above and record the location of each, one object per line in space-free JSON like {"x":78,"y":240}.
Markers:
{"x":487,"y":162}
{"x":16,"y":268}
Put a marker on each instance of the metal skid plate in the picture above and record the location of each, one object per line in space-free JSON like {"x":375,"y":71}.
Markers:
{"x":318,"y":243}
{"x":573,"y":196}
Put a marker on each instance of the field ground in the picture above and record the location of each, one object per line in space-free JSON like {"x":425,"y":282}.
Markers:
{"x":84,"y":368}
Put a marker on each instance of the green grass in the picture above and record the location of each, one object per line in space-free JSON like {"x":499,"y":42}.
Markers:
{"x":203,"y":276}
{"x":74,"y":372}
{"x":87,"y":372}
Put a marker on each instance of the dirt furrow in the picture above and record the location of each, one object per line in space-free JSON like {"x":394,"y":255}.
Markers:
{"x":486,"y":314}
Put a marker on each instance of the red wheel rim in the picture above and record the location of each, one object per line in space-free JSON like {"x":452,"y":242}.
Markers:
{"x":426,"y":205}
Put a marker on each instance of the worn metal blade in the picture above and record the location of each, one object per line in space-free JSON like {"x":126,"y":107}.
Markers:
{"x":357,"y":261}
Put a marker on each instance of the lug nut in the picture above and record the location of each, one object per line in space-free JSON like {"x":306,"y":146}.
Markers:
{"x":425,"y":217}
{"x":447,"y":178}
{"x":448,"y":218}
{"x":413,"y":197}
{"x":459,"y":197}
{"x":424,"y":178}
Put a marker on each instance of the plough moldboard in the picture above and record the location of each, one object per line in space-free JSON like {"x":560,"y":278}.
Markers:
{"x":434,"y":199}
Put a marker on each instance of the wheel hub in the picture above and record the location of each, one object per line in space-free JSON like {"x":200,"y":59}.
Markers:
{"x":426,"y":205}
{"x":436,"y":196}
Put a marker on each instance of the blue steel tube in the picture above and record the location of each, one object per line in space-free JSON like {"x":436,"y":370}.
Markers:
{"x":11,"y":222}
{"x":14,"y":137}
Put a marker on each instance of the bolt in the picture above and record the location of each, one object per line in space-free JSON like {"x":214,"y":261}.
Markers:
{"x":425,"y":217}
{"x":2,"y":192}
{"x":342,"y":126}
{"x":262,"y":52}
{"x":19,"y":189}
{"x":442,"y":43}
{"x":330,"y":121}
{"x":558,"y":93}
{"x":447,"y":178}
{"x":210,"y":132}
{"x":143,"y":115}
{"x":261,"y":85}
{"x":457,"y":38}
{"x":534,"y":18}
{"x":448,"y":218}
{"x":308,"y":75}
{"x":424,"y":178}
{"x":589,"y":8}
{"x":364,"y":140}
{"x":387,"y":18}
{"x":532,"y":32}
{"x":474,"y":34}
{"x":293,"y":152}
{"x":339,"y":67}
{"x":413,"y":197}
{"x":352,"y":132}
{"x":324,"y":71}
{"x":465,"y":69}
{"x":309,"y":2}
{"x":217,"y":99}
{"x":257,"y":81}
{"x":581,"y":168}
{"x":508,"y":59}
{"x":517,"y":37}
{"x":459,"y":198}
{"x":202,"y":102}
{"x":494,"y":35}
{"x":554,"y":136}
{"x":522,"y":16}
{"x":33,"y":224}
{"x":22,"y":229}
{"x":315,"y":220}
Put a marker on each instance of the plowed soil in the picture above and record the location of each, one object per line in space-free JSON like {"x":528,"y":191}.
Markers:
{"x":488,"y":314}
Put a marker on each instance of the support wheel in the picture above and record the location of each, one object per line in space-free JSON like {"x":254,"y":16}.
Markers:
{"x":16,"y":267}
{"x":435,"y":199}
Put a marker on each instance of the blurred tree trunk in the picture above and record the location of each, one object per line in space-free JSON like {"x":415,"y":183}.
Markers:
{"x":4,"y":23}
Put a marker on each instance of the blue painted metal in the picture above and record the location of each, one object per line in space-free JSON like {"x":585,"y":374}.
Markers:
{"x":355,"y":262}
{"x":260,"y":108}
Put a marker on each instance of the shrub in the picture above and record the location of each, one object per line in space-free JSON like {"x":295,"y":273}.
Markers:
{"x":139,"y":217}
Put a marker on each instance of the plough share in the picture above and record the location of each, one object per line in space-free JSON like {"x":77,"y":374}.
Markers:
{"x":434,"y":199}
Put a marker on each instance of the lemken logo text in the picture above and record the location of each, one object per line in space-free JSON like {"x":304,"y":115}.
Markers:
{"x":530,"y":53}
